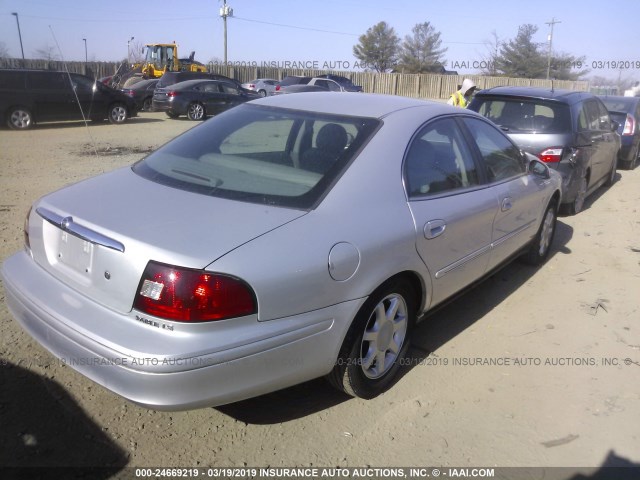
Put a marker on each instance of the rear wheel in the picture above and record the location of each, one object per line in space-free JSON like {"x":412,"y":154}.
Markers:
{"x":171,"y":114}
{"x":262,"y":93}
{"x":631,"y":164}
{"x":195,"y":111}
{"x":541,"y":245}
{"x":146,"y":104}
{"x":19,"y":118}
{"x":612,"y":174}
{"x":377,"y":341}
{"x":117,"y":113}
{"x":578,"y":202}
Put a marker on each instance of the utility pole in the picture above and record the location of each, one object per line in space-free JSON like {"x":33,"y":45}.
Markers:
{"x":225,"y":11}
{"x":551,"y":23}
{"x":85,"y":50}
{"x":19,"y":34}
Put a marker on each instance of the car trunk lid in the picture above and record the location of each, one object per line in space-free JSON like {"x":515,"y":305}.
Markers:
{"x":98,"y":239}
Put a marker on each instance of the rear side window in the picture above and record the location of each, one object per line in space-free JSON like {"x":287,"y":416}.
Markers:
{"x":12,"y":80}
{"x":261,"y":154}
{"x":48,"y":81}
{"x":439,"y":161}
{"x":529,"y":116}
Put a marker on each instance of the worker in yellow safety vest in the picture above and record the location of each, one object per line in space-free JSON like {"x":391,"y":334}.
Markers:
{"x":461,"y":97}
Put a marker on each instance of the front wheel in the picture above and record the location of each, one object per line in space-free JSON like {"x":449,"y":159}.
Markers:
{"x":117,"y":113}
{"x":263,"y":93}
{"x":377,"y":341}
{"x":195,"y":111}
{"x":19,"y":118}
{"x":147,"y":104}
{"x":541,"y":245}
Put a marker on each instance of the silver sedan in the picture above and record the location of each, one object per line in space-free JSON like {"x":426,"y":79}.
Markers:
{"x":286,"y":239}
{"x":262,"y":86}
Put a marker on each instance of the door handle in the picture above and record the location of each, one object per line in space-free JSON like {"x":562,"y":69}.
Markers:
{"x":434,"y":228}
{"x":506,"y":204}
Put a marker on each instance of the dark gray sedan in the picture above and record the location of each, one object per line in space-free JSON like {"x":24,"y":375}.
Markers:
{"x":199,"y":98}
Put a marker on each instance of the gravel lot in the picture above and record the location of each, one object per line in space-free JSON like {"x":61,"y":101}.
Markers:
{"x":527,"y":369}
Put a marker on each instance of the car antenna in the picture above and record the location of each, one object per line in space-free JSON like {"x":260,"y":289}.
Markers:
{"x":75,"y":93}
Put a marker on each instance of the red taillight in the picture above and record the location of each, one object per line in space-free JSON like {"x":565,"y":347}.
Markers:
{"x":251,"y":86}
{"x":172,"y":94}
{"x":186,"y":295}
{"x":277,"y":88}
{"x":629,"y":125}
{"x":551,"y":155}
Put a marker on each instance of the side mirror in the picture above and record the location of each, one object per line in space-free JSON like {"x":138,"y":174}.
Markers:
{"x":538,"y":168}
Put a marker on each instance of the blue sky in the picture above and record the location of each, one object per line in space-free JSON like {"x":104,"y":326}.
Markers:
{"x":322,"y":32}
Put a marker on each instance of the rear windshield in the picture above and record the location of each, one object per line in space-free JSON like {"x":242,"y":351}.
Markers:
{"x":618,"y":104}
{"x":531,"y":116}
{"x":261,"y":154}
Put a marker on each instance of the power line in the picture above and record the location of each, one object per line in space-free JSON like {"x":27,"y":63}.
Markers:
{"x":296,"y":27}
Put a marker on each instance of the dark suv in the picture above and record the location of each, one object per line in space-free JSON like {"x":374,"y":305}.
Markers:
{"x":31,"y":96}
{"x":569,"y":131}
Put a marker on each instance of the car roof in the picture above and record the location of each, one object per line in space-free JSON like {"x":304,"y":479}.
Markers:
{"x":557,"y":94}
{"x":370,"y":105}
{"x":197,"y":81}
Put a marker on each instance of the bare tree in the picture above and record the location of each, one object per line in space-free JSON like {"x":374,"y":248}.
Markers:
{"x":136,"y":51}
{"x":4,"y":51}
{"x":47,"y":52}
{"x":493,"y":45}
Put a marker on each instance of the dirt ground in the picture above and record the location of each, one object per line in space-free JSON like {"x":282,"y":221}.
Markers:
{"x":535,"y":367}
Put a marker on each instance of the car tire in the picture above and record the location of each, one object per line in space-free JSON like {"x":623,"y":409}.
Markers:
{"x":631,"y":164}
{"x":263,"y":93}
{"x":19,"y":118}
{"x":577,"y":205}
{"x":377,"y":341}
{"x":541,"y":245}
{"x":172,"y":115}
{"x":147,"y":104}
{"x":117,"y":113}
{"x":611,"y":179}
{"x":195,"y":111}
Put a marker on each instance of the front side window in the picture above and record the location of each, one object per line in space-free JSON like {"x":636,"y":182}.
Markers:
{"x":261,"y":154}
{"x":502,"y":158}
{"x":439,"y":161}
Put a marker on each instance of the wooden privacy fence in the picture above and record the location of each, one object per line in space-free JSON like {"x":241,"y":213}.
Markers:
{"x":407,"y":85}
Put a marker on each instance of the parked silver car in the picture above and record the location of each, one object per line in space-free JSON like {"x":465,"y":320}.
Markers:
{"x":570,"y":131}
{"x":285,"y":239}
{"x":262,"y":86}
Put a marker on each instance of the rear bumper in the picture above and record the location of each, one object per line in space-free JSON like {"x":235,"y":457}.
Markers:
{"x":282,"y":353}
